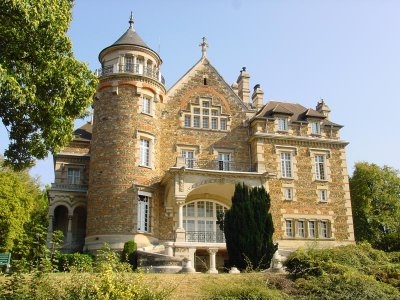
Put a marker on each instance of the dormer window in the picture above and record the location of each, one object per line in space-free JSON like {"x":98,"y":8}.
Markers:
{"x":315,"y":127}
{"x":282,"y":124}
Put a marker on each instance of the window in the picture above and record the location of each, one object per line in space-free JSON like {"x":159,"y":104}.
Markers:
{"x":196,"y":121}
{"x":206,"y":122}
{"x":224,"y":161}
{"x":289,"y":228}
{"x":145,"y":152}
{"x":323,"y":195}
{"x":324,"y":229}
{"x":288,"y":193}
{"x":223,"y":124}
{"x":146,"y":105}
{"x":315,"y":127}
{"x":143,"y":222}
{"x":187,"y":121}
{"x":188,"y":155}
{"x":201,"y":113}
{"x":300,"y":228}
{"x":129,"y":63}
{"x":214,"y":123}
{"x":320,"y":173}
{"x":74,"y":176}
{"x":286,"y":164}
{"x":311,"y":229}
{"x":200,"y":221}
{"x":282,"y":124}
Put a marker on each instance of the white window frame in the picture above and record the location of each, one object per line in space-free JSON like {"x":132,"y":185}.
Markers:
{"x":286,"y":163}
{"x":147,"y":105}
{"x":145,"y":146}
{"x":144,"y":211}
{"x":224,"y":161}
{"x":315,"y":127}
{"x":288,"y":193}
{"x":323,"y":195}
{"x":189,"y":156}
{"x":205,"y":115}
{"x":74,"y":175}
{"x":201,"y":216}
{"x":320,"y":166}
{"x":283,"y":124}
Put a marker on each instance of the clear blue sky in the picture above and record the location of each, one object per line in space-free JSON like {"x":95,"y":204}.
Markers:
{"x":344,"y":51}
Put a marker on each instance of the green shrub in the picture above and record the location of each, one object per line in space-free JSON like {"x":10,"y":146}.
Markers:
{"x":129,"y":254}
{"x":109,"y":260}
{"x":75,"y":262}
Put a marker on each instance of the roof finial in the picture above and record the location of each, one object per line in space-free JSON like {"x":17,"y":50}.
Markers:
{"x":131,"y":21}
{"x":204,"y":46}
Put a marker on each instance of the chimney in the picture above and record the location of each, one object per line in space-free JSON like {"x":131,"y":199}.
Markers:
{"x":257,"y":97}
{"x":243,"y":82}
{"x":234,"y":87}
{"x":323,"y":108}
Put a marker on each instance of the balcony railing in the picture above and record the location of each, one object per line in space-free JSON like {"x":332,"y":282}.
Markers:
{"x":69,"y":187}
{"x":219,"y":165}
{"x":137,"y":69}
{"x":205,"y":237}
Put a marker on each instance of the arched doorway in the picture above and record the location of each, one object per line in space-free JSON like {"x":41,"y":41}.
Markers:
{"x":60,"y":221}
{"x":78,"y":228}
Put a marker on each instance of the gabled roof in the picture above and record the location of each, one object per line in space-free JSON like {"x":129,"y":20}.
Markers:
{"x":83,"y":133}
{"x":298,"y":112}
{"x":203,"y":61}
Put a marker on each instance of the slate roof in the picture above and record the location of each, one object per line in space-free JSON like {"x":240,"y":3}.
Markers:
{"x":83,"y":133}
{"x":297,"y":112}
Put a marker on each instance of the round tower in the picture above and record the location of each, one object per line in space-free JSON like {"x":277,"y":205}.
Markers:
{"x":126,"y":114}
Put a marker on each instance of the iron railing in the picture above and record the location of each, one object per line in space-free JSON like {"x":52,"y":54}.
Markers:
{"x":137,"y":69}
{"x":205,"y":237}
{"x":220,"y":165}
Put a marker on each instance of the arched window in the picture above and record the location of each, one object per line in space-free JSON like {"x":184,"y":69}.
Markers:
{"x":200,"y":221}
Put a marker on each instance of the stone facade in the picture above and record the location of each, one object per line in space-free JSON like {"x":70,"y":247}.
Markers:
{"x":158,"y":165}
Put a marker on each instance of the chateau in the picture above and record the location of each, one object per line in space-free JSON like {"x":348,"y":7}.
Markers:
{"x":157,"y":165}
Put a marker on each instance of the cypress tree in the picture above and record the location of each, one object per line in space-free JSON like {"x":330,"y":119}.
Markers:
{"x":248,"y":228}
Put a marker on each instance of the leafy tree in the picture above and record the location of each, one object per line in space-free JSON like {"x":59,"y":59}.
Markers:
{"x":248,"y":228}
{"x":43,"y":89}
{"x":21,"y":204}
{"x":375,"y":199}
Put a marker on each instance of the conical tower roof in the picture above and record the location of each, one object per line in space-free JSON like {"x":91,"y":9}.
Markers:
{"x":129,"y":38}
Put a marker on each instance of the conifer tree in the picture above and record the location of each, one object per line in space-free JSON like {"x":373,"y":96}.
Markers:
{"x":248,"y":228}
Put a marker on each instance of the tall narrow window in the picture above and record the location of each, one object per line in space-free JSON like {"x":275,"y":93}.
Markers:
{"x":282,"y":124}
{"x":188,"y":155}
{"x":320,"y":167}
{"x":300,"y":228}
{"x":214,"y":123}
{"x":288,"y":193}
{"x":206,"y":122}
{"x":223,"y":124}
{"x":324,"y":229}
{"x":311,"y":229}
{"x":143,"y":213}
{"x":187,"y":121}
{"x":315,"y":127}
{"x":196,"y":121}
{"x":74,"y":176}
{"x":289,"y":228}
{"x":323,"y":195}
{"x":129,"y":63}
{"x":224,"y":161}
{"x":145,"y":152}
{"x":146,"y":105}
{"x":286,"y":164}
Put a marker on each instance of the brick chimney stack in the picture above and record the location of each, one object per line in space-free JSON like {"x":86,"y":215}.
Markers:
{"x":257,"y":97}
{"x":243,"y":82}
